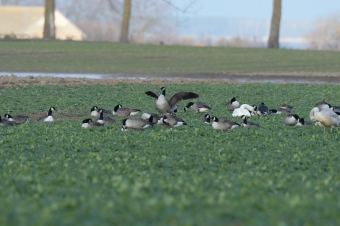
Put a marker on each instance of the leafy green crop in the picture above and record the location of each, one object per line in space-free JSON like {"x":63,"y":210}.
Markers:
{"x":60,"y":174}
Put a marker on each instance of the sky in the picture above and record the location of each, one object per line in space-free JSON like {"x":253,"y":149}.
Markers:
{"x":251,"y":18}
{"x":261,"y":9}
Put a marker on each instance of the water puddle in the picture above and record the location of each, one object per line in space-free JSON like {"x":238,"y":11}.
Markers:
{"x":243,"y":79}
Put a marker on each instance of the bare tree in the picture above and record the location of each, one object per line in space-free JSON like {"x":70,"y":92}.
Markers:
{"x":325,"y":34}
{"x":124,"y":31}
{"x":49,"y":25}
{"x":273,"y":41}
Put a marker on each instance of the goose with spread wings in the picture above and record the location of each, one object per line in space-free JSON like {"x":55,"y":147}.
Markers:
{"x":165,"y":106}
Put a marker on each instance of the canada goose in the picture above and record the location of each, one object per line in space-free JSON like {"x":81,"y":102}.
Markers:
{"x":155,"y":117}
{"x":169,"y":105}
{"x":336,"y":109}
{"x":232,"y":104}
{"x":247,"y":123}
{"x":302,"y":122}
{"x":136,"y":123}
{"x":17,"y":118}
{"x":262,"y":109}
{"x":105,"y":118}
{"x":95,"y":111}
{"x":244,"y":109}
{"x":5,"y":122}
{"x":207,"y":119}
{"x":283,"y":109}
{"x":48,"y":117}
{"x":124,"y":111}
{"x":172,"y":121}
{"x":198,"y":107}
{"x":326,"y":118}
{"x":88,"y":123}
{"x":323,"y":105}
{"x":223,"y":124}
{"x":291,"y":120}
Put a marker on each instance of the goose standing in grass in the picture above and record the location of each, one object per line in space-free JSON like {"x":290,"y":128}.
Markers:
{"x":172,"y":121}
{"x":262,"y":109}
{"x":17,"y":118}
{"x":136,"y":123}
{"x":247,"y":123}
{"x":232,"y":104}
{"x":124,"y":111}
{"x":244,"y":109}
{"x":326,"y":118}
{"x":48,"y":117}
{"x":223,"y":124}
{"x":155,"y":117}
{"x":291,"y":120}
{"x":165,"y":106}
{"x":88,"y":123}
{"x":207,"y":119}
{"x":5,"y":122}
{"x":198,"y":107}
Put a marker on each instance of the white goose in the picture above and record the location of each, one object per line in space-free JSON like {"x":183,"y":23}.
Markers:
{"x":244,"y":109}
{"x":326,"y":118}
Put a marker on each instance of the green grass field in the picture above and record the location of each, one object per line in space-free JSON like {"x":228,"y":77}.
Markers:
{"x":98,"y":57}
{"x":60,"y":174}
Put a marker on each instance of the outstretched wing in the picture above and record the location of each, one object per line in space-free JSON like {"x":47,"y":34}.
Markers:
{"x":179,"y":96}
{"x":152,"y":94}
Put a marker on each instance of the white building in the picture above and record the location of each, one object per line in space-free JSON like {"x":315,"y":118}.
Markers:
{"x":28,"y":22}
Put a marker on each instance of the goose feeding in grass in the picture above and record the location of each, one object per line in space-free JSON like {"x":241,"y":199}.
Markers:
{"x":5,"y":122}
{"x":165,"y":106}
{"x":223,"y":124}
{"x":323,"y":105}
{"x":247,"y":123}
{"x":262,"y":109}
{"x":124,"y":111}
{"x":88,"y":123}
{"x":207,"y":119}
{"x":302,"y":122}
{"x":48,"y":117}
{"x":232,"y":104}
{"x":198,"y":107}
{"x":136,"y":123}
{"x":172,"y":121}
{"x":155,"y":117}
{"x":17,"y":118}
{"x":291,"y":120}
{"x":244,"y":109}
{"x":326,"y":118}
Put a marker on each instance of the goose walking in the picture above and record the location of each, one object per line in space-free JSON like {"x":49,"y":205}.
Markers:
{"x":124,"y":111}
{"x":244,"y":109}
{"x":223,"y":124}
{"x":326,"y":118}
{"x":48,"y":117}
{"x":136,"y":123}
{"x":17,"y":118}
{"x":232,"y":104}
{"x":198,"y":107}
{"x":165,"y":106}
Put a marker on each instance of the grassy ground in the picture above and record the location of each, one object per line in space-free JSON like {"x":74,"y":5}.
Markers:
{"x":99,"y":57}
{"x":60,"y":174}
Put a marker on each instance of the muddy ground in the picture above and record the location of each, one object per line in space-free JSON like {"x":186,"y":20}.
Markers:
{"x":9,"y":81}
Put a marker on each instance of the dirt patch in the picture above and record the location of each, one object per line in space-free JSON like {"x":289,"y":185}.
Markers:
{"x":10,"y":81}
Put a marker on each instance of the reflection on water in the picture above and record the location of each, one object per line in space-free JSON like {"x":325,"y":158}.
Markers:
{"x":134,"y":76}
